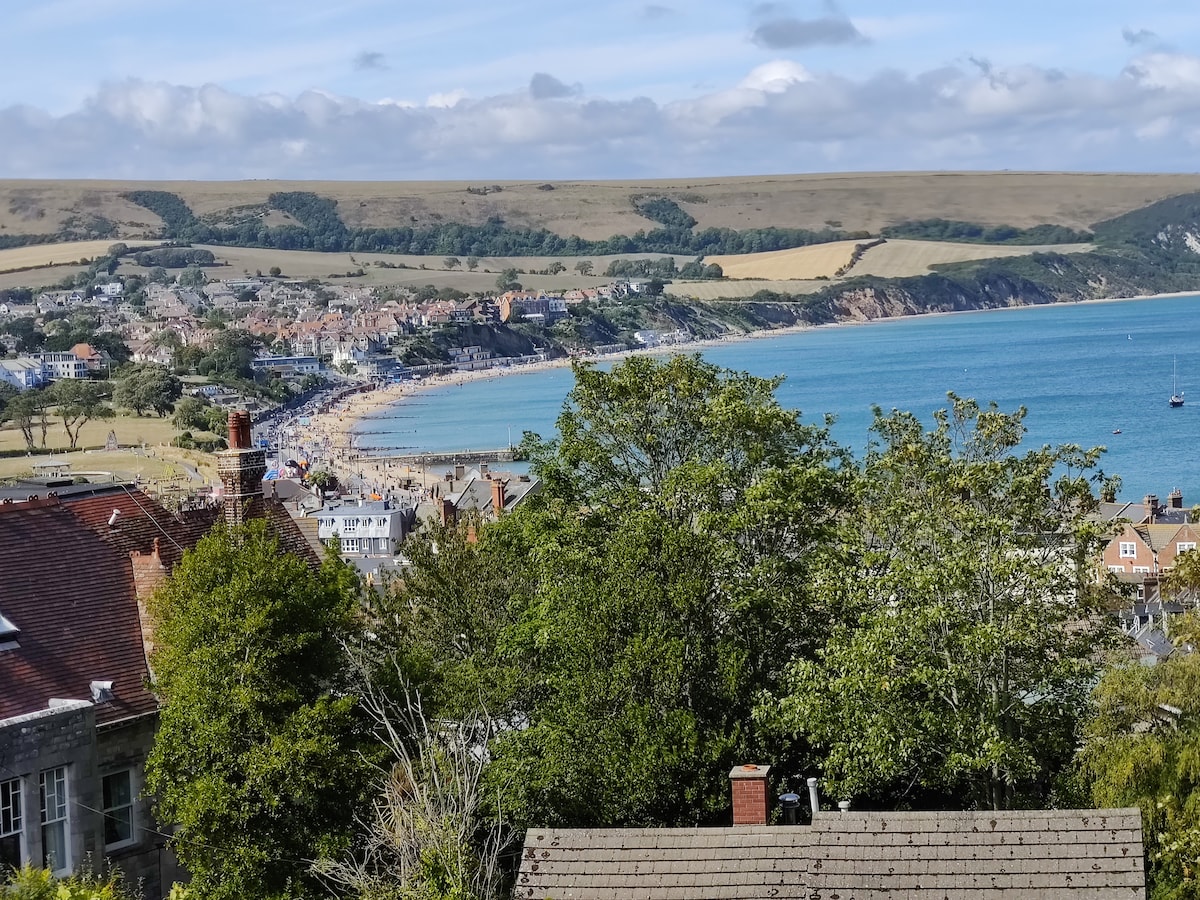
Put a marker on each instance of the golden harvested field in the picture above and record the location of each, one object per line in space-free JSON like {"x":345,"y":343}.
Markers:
{"x":599,"y":209}
{"x":894,"y":259}
{"x":41,"y":255}
{"x":717,"y":290}
{"x":800,"y":263}
{"x":901,"y":258}
{"x":237,"y":261}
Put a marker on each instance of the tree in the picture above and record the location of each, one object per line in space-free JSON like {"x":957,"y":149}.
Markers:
{"x":149,"y":387}
{"x":8,"y":393}
{"x":507,"y":280}
{"x":190,"y":414}
{"x":23,"y":412}
{"x":193,"y":276}
{"x":964,"y":648}
{"x":257,"y":745}
{"x":584,"y":267}
{"x":78,"y":403}
{"x":629,"y":615}
{"x":472,"y":263}
{"x":1141,"y":750}
{"x":451,"y":262}
{"x":555,"y":267}
{"x":275,"y":271}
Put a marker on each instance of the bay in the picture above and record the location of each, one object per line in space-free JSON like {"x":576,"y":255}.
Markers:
{"x":1082,"y":370}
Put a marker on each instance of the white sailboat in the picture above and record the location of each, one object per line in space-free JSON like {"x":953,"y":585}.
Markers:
{"x":1176,"y":394}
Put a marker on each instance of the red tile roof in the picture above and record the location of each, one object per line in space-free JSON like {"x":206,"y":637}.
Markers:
{"x":72,"y":597}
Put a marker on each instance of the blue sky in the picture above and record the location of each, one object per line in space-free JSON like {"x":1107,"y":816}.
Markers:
{"x":397,"y":89}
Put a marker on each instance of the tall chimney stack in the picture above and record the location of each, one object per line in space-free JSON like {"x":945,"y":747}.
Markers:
{"x":750,"y":797}
{"x":241,"y":469}
{"x":498,"y":497}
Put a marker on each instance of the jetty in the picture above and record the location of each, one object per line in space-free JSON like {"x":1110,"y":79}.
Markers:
{"x":442,"y":457}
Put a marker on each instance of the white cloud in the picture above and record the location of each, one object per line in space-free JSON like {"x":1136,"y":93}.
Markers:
{"x":779,"y":116}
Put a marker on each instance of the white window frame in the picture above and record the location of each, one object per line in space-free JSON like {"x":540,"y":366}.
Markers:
{"x":54,"y":789}
{"x":109,"y":808}
{"x":1141,"y":570}
{"x":12,"y":819}
{"x":350,"y":545}
{"x":1116,"y":568}
{"x":1128,"y":550}
{"x":1185,"y":546}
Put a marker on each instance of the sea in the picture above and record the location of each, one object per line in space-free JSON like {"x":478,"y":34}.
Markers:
{"x":1093,"y":374}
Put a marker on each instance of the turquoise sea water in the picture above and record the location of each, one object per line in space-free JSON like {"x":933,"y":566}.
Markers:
{"x":1082,"y":370}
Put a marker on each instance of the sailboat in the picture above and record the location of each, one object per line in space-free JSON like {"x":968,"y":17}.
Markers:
{"x":1176,"y":394}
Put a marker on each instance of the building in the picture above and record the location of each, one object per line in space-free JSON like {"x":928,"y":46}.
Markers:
{"x":62,"y":365}
{"x":370,"y":528}
{"x":22,"y":373}
{"x":973,"y":855}
{"x":77,"y":717}
{"x":287,"y":365}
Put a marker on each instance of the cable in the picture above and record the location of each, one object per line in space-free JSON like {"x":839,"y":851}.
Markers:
{"x":154,"y":521}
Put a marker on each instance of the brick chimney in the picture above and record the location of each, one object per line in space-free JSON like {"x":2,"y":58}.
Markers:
{"x":1175,"y":499}
{"x":750,"y":797}
{"x":449,"y":513}
{"x":241,"y":469}
{"x":498,"y":497}
{"x":148,"y":573}
{"x":1150,"y":502}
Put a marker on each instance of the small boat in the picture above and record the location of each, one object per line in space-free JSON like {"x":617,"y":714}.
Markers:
{"x":1116,"y":431}
{"x":1176,"y":394}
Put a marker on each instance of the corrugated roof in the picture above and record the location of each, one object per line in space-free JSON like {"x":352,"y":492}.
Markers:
{"x":1095,"y":854}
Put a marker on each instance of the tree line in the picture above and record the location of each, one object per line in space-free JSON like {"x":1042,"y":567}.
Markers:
{"x":704,"y":579}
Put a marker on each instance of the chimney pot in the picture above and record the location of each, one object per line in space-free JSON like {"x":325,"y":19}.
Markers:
{"x":789,"y":805}
{"x":750,"y":803}
{"x":1175,"y":499}
{"x":814,"y":798}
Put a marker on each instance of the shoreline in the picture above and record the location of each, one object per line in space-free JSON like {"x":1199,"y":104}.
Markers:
{"x":344,"y":424}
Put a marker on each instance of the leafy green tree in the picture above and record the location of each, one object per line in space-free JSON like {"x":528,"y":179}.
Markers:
{"x":628,"y":616}
{"x":472,"y":263}
{"x":8,"y":393}
{"x":22,"y":410}
{"x":275,"y":271}
{"x":451,"y":262}
{"x":1141,"y":749}
{"x":967,"y":621}
{"x":256,"y":756}
{"x":148,"y":387}
{"x":507,"y":280}
{"x":78,"y":403}
{"x":584,"y":267}
{"x":193,"y":276}
{"x":555,"y":267}
{"x":190,"y":414}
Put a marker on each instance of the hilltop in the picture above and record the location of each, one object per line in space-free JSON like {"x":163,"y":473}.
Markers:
{"x":597,"y":210}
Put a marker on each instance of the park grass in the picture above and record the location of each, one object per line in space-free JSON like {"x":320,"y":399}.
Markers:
{"x":130,"y":430}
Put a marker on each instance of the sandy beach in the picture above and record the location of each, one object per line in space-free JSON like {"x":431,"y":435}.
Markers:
{"x":335,"y":430}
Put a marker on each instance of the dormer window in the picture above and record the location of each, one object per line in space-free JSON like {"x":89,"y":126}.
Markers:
{"x":10,"y":635}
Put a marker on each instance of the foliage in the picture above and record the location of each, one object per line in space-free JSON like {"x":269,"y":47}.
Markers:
{"x":428,"y":838}
{"x":32,"y":883}
{"x":320,"y":228}
{"x":148,"y":387}
{"x":78,"y":403}
{"x":174,"y":258}
{"x":963,"y":652}
{"x":664,"y":211}
{"x":1143,"y":749}
{"x":973,"y":233}
{"x":649,"y":593}
{"x":256,"y":755}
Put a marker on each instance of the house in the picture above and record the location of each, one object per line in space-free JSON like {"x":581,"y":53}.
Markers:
{"x":61,"y":365}
{"x":970,"y":855}
{"x":22,"y":373}
{"x":370,"y":528}
{"x":77,"y":719}
{"x":478,"y":493}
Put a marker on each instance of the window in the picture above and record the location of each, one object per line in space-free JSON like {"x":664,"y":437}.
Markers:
{"x":1185,"y":546}
{"x":1128,"y":550}
{"x":56,"y":852}
{"x":1141,"y":570}
{"x":1116,"y":568}
{"x":118,"y":809}
{"x":349,"y":545}
{"x":10,"y":824}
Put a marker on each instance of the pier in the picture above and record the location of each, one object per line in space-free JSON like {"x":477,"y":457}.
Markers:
{"x":442,"y":457}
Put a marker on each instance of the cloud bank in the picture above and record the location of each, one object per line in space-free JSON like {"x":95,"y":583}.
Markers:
{"x":780,"y":117}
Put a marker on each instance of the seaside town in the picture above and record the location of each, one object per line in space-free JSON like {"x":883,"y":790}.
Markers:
{"x":641,"y":451}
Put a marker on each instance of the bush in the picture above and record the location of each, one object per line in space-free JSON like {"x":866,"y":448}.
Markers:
{"x":29,"y":883}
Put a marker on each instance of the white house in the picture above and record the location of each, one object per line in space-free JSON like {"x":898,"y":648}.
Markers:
{"x":22,"y":373}
{"x":62,"y":365}
{"x":372,"y":528}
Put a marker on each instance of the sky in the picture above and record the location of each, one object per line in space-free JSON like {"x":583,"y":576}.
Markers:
{"x":561,"y":89}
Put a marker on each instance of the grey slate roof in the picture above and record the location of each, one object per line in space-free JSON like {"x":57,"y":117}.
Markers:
{"x":1073,"y":855}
